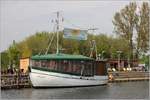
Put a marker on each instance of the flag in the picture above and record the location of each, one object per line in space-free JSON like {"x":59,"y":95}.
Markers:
{"x":75,"y":34}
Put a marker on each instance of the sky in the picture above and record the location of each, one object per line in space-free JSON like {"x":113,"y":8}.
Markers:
{"x":22,"y":18}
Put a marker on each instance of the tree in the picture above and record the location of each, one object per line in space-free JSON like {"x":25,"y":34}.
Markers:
{"x":34,"y":44}
{"x":125,"y":21}
{"x":142,"y":27}
{"x":118,"y":44}
{"x":13,"y":54}
{"x":130,"y":22}
{"x":4,"y":59}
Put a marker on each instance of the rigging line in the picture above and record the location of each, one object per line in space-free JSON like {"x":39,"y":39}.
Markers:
{"x":49,"y":44}
{"x":43,"y":48}
{"x":49,"y":37}
{"x":53,"y":35}
{"x":51,"y":32}
{"x":54,"y":30}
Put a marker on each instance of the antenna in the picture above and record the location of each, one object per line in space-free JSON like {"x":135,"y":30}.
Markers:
{"x":57,"y":22}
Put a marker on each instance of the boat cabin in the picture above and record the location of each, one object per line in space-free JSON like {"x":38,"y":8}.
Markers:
{"x":65,"y":63}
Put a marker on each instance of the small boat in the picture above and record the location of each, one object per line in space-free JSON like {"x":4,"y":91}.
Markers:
{"x":66,"y":70}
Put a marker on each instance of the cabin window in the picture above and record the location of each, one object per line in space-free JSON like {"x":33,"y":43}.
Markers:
{"x":43,"y":63}
{"x":64,"y":65}
{"x":59,"y":65}
{"x":37,"y":63}
{"x":87,"y":69}
{"x":76,"y":67}
{"x":69,"y":67}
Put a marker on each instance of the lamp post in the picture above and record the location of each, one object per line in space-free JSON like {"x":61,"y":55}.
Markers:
{"x":119,"y":54}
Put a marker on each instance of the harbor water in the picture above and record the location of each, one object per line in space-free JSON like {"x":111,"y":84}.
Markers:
{"x":122,"y":90}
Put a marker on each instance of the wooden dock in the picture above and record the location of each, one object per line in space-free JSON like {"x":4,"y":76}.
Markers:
{"x":16,"y":81}
{"x":128,"y":76}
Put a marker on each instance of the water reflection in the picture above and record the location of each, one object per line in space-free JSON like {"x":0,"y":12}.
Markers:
{"x":126,"y":90}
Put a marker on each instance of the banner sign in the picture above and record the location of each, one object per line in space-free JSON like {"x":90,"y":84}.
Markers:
{"x":75,"y":34}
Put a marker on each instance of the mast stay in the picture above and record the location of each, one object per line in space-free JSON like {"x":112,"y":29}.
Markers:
{"x":59,"y":19}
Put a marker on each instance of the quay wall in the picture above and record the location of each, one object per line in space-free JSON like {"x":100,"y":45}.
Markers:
{"x":22,"y":80}
{"x":128,"y":76}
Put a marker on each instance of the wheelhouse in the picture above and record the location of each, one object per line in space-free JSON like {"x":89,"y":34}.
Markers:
{"x":64,"y":63}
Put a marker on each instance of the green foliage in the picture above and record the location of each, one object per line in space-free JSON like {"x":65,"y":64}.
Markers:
{"x":4,"y":60}
{"x":35,"y":44}
{"x":124,"y":22}
{"x":142,"y":27}
{"x":144,"y":60}
{"x":13,"y":54}
{"x":131,"y":22}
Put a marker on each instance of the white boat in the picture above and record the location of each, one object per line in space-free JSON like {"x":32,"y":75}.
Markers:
{"x":65,"y":70}
{"x":52,"y":79}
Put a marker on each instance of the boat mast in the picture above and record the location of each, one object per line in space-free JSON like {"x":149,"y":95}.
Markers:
{"x":57,"y":21}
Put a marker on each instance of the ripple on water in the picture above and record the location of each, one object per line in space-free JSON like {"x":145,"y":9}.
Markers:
{"x":124,"y":90}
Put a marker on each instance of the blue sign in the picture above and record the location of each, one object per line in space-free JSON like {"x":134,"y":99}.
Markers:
{"x":75,"y":34}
